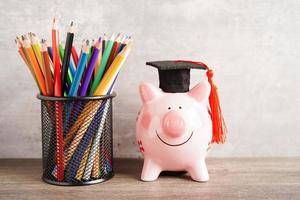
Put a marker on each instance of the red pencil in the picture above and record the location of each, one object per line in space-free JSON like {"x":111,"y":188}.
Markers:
{"x":56,"y":61}
{"x":58,"y":106}
{"x":113,"y":52}
{"x":74,"y":56}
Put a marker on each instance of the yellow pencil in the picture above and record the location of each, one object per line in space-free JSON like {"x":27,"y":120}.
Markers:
{"x":112,"y":72}
{"x":36,"y":46}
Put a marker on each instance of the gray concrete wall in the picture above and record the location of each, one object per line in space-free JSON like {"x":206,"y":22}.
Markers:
{"x":253,"y":46}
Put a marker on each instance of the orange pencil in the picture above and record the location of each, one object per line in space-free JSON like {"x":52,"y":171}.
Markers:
{"x":46,"y":63}
{"x":97,"y":65}
{"x":34,"y":64}
{"x":22,"y":54}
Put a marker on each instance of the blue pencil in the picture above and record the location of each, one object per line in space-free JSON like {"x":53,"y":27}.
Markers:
{"x":79,"y":72}
{"x":72,"y":68}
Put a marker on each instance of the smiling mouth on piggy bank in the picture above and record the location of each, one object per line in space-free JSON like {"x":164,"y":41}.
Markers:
{"x":174,"y":145}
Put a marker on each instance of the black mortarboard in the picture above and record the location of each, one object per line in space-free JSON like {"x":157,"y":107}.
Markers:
{"x":174,"y":76}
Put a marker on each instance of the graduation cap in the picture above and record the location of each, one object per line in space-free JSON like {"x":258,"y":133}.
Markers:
{"x":174,"y":77}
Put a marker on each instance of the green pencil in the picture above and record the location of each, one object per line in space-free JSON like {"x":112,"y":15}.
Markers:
{"x":103,"y":63}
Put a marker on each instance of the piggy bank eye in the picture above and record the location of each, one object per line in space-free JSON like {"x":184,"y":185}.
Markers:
{"x":180,"y":107}
{"x":169,"y":108}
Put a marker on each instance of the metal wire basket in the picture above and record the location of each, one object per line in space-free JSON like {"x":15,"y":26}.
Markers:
{"x":77,"y":139}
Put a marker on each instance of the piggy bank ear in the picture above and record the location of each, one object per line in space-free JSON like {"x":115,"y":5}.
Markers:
{"x":201,"y":91}
{"x":148,"y":92}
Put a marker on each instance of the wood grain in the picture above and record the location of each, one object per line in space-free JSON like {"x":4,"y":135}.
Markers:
{"x":230,"y":178}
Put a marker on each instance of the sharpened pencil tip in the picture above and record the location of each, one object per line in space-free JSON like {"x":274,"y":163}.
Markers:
{"x":71,"y":23}
{"x":87,"y":42}
{"x":54,"y":24}
{"x":113,"y":36}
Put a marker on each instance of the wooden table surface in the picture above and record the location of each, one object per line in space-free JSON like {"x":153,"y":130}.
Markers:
{"x":230,"y":178}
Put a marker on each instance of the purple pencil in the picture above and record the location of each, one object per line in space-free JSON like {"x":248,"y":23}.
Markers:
{"x":90,"y":68}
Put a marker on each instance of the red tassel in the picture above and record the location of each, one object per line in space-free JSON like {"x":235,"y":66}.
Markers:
{"x":218,"y":123}
{"x":219,"y":129}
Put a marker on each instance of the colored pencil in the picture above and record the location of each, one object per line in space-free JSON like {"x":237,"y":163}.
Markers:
{"x":21,"y":51}
{"x":49,"y":48}
{"x":34,"y":64}
{"x":90,"y":68}
{"x":36,"y":46}
{"x":58,"y":105}
{"x":71,"y":69}
{"x":124,"y":43}
{"x":104,"y":40}
{"x":112,"y":72}
{"x":98,"y":62}
{"x":113,"y":52}
{"x":56,"y":61}
{"x":50,"y":52}
{"x":69,"y":73}
{"x":46,"y":64}
{"x":80,"y":69}
{"x":103,"y":63}
{"x":91,"y":50}
{"x":74,"y":55}
{"x":66,"y":58}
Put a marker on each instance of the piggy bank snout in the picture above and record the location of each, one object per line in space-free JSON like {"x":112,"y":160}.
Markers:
{"x":173,"y":124}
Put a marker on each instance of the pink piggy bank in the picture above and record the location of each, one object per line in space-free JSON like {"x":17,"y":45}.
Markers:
{"x":174,"y":131}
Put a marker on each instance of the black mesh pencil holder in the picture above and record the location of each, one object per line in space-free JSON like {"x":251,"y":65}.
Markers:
{"x":77,"y":139}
